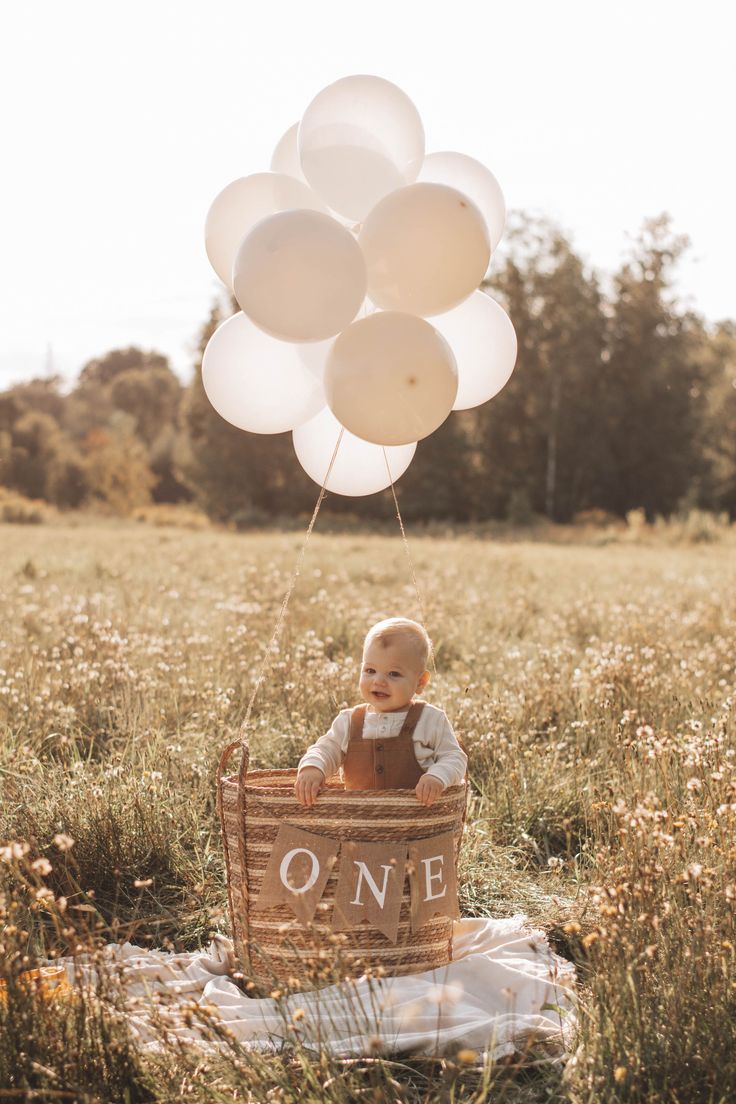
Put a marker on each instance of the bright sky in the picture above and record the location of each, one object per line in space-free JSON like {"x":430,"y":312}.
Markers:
{"x":121,"y":122}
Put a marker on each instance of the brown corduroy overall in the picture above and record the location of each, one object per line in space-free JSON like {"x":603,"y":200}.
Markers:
{"x":382,"y":764}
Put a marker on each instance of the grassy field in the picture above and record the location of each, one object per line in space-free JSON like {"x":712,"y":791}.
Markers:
{"x":593,"y":686}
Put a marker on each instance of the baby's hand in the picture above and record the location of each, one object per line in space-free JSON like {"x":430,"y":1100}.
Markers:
{"x":428,"y":789}
{"x":309,"y":782}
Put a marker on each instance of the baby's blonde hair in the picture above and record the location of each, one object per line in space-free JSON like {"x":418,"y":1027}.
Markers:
{"x":387,"y":631}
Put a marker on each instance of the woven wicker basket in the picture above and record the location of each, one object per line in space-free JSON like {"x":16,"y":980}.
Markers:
{"x":270,"y":943}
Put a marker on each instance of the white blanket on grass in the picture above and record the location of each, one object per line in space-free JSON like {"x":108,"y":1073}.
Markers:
{"x":504,"y":990}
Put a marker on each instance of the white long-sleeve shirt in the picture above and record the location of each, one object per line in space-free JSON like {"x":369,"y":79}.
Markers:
{"x":435,"y":744}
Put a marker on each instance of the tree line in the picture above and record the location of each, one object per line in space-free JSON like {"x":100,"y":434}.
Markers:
{"x":622,"y":398}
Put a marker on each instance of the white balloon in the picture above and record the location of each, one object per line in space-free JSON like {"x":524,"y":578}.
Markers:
{"x":473,"y":179}
{"x":285,"y":157}
{"x":359,"y":468}
{"x":426,"y":248}
{"x":300,"y":276}
{"x":314,"y":356}
{"x":286,"y":160}
{"x":241,"y":205}
{"x":255,"y":382}
{"x":360,"y":138}
{"x":390,"y":378}
{"x":481,"y":336}
{"x":315,"y":353}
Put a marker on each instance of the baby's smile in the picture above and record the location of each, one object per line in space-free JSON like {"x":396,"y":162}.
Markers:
{"x":390,"y":676}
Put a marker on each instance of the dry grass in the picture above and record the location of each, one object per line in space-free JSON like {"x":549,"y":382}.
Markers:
{"x":594,"y":687}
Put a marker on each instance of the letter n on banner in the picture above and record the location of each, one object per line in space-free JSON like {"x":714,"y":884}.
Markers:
{"x":298,"y":868}
{"x":432,"y":879}
{"x":370,"y":886}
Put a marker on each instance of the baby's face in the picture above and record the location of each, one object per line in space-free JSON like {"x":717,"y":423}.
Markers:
{"x":391,"y":675}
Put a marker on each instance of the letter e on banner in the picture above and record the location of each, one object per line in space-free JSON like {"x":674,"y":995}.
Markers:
{"x":432,"y":879}
{"x":298,"y":868}
{"x":370,"y":886}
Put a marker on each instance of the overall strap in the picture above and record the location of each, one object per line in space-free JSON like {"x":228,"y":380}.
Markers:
{"x":412,"y":718}
{"x":357,"y":717}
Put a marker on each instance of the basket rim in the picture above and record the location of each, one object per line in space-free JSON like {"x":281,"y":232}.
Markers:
{"x":337,"y":789}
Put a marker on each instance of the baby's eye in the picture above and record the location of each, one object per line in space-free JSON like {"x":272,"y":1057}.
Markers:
{"x":369,"y":670}
{"x":395,"y":674}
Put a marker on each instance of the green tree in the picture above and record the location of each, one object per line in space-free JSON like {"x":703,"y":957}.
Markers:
{"x":102,"y":371}
{"x":440,"y":482}
{"x":653,"y":396}
{"x":41,"y":462}
{"x":67,"y":476}
{"x":37,"y":458}
{"x":36,"y":440}
{"x":91,"y":404}
{"x":39,"y":396}
{"x":118,"y":474}
{"x":150,"y":396}
{"x":141,"y":385}
{"x":10,"y":411}
{"x":540,"y":437}
{"x":718,"y":436}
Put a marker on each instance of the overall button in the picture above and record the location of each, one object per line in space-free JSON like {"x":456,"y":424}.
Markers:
{"x":379,"y":769}
{"x":379,"y":747}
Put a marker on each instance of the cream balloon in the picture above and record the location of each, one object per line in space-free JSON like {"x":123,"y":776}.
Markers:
{"x":300,"y":276}
{"x":481,"y":336}
{"x":360,"y":138}
{"x":241,"y":205}
{"x":255,"y":382}
{"x":286,"y":160}
{"x":314,"y":356}
{"x":359,"y":468}
{"x":390,"y":378}
{"x":285,"y":157}
{"x":315,"y":353}
{"x":469,"y":176}
{"x":426,"y":248}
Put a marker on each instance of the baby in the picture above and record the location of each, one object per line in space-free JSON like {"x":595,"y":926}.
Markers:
{"x":392,"y":741}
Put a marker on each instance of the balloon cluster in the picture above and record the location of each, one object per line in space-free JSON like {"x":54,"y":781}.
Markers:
{"x":336,"y":258}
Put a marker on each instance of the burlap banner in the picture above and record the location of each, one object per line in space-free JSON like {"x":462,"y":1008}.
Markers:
{"x":370,"y":882}
{"x":370,"y":886}
{"x":297,"y":872}
{"x":432,"y":879}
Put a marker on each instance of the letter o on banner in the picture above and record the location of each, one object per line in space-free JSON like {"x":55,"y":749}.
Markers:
{"x":284,"y":869}
{"x":314,"y":855}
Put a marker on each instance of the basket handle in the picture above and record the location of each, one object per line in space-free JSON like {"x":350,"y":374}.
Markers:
{"x":241,"y":743}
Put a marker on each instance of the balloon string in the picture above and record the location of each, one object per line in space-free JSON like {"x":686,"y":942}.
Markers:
{"x":423,"y":617}
{"x":290,"y":589}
